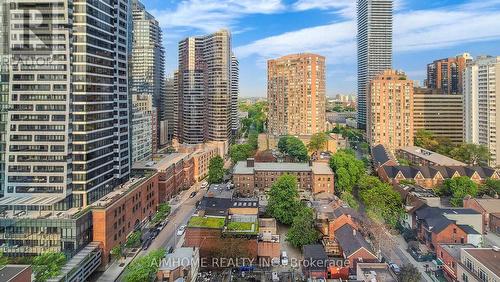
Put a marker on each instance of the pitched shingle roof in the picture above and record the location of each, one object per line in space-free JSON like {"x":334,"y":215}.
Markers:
{"x":350,"y":240}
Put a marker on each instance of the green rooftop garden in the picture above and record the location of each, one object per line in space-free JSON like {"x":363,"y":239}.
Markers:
{"x":242,"y":227}
{"x":206,"y":222}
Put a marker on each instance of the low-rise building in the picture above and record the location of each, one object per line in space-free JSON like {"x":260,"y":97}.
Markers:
{"x":449,"y":255}
{"x":372,"y":272}
{"x":15,"y":273}
{"x":382,"y":157}
{"x":81,"y":265}
{"x":495,"y":223}
{"x":479,"y":264}
{"x":315,"y":263}
{"x":181,"y":265}
{"x":433,"y":176}
{"x":354,"y":248}
{"x":122,"y":211}
{"x":423,"y":157}
{"x":485,"y":206}
{"x":435,"y":226}
{"x":250,"y":176}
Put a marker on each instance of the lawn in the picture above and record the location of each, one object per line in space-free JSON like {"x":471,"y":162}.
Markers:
{"x":242,"y":226}
{"x":206,"y":222}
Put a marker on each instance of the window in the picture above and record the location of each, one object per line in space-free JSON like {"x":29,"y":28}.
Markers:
{"x":482,"y":275}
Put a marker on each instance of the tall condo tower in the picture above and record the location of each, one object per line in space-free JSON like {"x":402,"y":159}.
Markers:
{"x":374,"y":47}
{"x":204,"y":88}
{"x":296,"y":94}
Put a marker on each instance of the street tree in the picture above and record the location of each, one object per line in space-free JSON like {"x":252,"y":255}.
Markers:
{"x":216,"y":170}
{"x":294,"y":148}
{"x":48,"y":265}
{"x":471,"y":154}
{"x":283,"y":199}
{"x":302,"y":232}
{"x":409,"y":273}
{"x":144,"y":268}
{"x":240,"y":152}
{"x":383,"y":203}
{"x":348,"y":170}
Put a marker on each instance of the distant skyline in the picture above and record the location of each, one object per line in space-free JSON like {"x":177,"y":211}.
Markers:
{"x":265,"y":29}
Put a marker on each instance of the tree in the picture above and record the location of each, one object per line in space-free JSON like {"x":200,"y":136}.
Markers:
{"x":294,"y":148}
{"x":318,"y":142}
{"x":240,"y":152}
{"x":302,"y":232}
{"x":283,"y":199}
{"x":426,"y":139}
{"x":491,"y":187}
{"x":48,"y":265}
{"x":347,"y":170}
{"x":471,"y":154}
{"x":382,"y":202}
{"x":118,"y":252}
{"x":144,"y":268}
{"x":161,"y":213}
{"x":216,"y":170}
{"x":134,"y":240}
{"x":253,"y":142}
{"x":409,"y":273}
{"x":458,"y":188}
{"x":3,"y":260}
{"x":349,"y":199}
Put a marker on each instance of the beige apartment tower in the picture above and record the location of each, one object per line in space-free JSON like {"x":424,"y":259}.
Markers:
{"x":390,"y":108}
{"x":439,"y":113}
{"x":296,"y":94}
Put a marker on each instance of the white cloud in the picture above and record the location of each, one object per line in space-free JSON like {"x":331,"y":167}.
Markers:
{"x":211,"y":15}
{"x":413,"y":31}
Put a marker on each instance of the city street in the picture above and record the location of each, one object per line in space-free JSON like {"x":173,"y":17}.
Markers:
{"x":182,"y":210}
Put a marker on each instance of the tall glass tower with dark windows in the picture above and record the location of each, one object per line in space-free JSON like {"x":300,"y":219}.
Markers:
{"x":374,"y":47}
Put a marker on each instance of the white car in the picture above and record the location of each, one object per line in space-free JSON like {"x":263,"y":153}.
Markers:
{"x":181,"y":230}
{"x":284,"y":258}
{"x":204,"y":185}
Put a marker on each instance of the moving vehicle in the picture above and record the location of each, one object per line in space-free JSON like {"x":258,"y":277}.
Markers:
{"x":181,"y":230}
{"x":284,"y":258}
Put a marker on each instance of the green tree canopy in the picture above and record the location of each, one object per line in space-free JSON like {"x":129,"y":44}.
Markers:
{"x":134,"y":240}
{"x":240,"y":152}
{"x":216,"y":170}
{"x":318,"y":141}
{"x":294,"y":148}
{"x":381,"y":200}
{"x":458,"y":188}
{"x":409,"y":273}
{"x":348,"y":170}
{"x":471,"y":154}
{"x":491,"y":187}
{"x":283,"y":199}
{"x":3,"y":260}
{"x":302,"y":232}
{"x":144,"y":268}
{"x":161,"y":213}
{"x":48,"y":265}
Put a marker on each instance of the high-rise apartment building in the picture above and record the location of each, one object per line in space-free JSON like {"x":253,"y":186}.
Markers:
{"x":170,"y":109}
{"x":446,"y":75}
{"x":148,"y":62}
{"x":296,"y":95}
{"x":441,"y":114}
{"x":235,"y":89}
{"x":204,"y":88}
{"x":374,"y":47}
{"x":68,"y":129}
{"x":482,"y":100}
{"x":4,"y":86}
{"x":391,"y":110}
{"x":143,"y":127}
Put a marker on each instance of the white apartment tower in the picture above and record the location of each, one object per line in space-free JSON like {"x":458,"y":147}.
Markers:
{"x":68,"y":128}
{"x":374,"y":47}
{"x":204,"y":88}
{"x":482,"y":100}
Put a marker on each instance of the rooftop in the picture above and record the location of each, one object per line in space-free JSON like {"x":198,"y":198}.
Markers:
{"x":206,"y":222}
{"x":489,"y":257}
{"x":77,"y":260}
{"x":317,"y":167}
{"x":454,"y":249}
{"x":490,"y":205}
{"x":220,"y":191}
{"x":350,"y":240}
{"x":160,"y":162}
{"x":120,"y":191}
{"x":10,"y":271}
{"x":181,"y":257}
{"x":375,"y":272}
{"x":432,"y":156}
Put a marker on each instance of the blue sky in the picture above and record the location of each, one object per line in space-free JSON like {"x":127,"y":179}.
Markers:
{"x":424,"y":30}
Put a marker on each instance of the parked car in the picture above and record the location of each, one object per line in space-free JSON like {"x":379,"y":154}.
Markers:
{"x":275,"y":261}
{"x":395,"y":268}
{"x":181,"y":230}
{"x":170,"y":250}
{"x":147,"y":243}
{"x":284,"y":258}
{"x":192,"y":194}
{"x":275,"y":276}
{"x":204,"y":185}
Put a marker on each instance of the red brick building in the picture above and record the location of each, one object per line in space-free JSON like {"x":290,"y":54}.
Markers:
{"x":449,"y":254}
{"x":485,"y":206}
{"x":116,"y":215}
